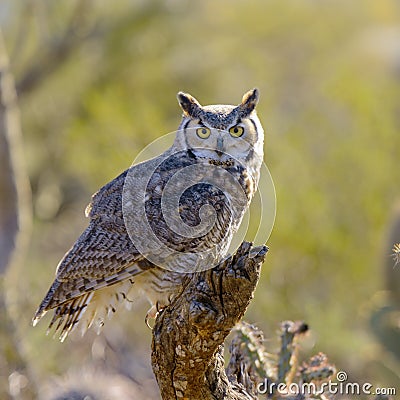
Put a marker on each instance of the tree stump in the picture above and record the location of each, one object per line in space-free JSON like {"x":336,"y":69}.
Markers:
{"x":188,"y":336}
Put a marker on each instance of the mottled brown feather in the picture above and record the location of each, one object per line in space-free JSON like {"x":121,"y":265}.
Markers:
{"x":102,"y":256}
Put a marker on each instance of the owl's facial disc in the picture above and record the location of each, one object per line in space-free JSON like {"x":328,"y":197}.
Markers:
{"x":215,"y":144}
{"x":220,"y":132}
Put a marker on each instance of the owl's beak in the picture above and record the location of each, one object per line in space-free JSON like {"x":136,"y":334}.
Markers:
{"x":220,"y":146}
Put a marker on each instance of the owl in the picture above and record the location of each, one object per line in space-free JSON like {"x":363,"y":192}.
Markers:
{"x":161,"y":219}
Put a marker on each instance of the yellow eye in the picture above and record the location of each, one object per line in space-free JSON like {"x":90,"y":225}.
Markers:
{"x":236,"y":131}
{"x":203,"y":132}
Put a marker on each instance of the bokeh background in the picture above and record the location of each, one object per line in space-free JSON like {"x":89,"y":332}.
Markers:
{"x":96,"y":82}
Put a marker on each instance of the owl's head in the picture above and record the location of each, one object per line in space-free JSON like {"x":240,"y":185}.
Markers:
{"x":221,"y":132}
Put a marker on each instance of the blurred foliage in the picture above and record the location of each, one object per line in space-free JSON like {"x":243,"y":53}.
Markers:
{"x":329,"y":76}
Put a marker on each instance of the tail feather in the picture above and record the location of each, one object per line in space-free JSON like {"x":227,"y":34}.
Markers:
{"x":88,"y":308}
{"x":68,"y":314}
{"x":75,"y":312}
{"x":97,"y":298}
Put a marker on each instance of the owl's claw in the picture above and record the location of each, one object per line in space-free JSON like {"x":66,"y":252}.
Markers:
{"x":146,"y":320}
{"x":152,"y":314}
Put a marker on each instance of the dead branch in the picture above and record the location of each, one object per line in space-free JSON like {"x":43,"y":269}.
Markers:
{"x":187,"y":348}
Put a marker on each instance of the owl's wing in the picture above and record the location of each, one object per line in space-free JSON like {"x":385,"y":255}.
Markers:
{"x":103,"y":255}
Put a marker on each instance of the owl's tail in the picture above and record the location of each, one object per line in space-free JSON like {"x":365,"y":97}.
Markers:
{"x":69,"y":314}
{"x":89,"y":308}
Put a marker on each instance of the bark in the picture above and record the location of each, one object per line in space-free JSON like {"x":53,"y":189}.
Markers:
{"x":188,"y":336}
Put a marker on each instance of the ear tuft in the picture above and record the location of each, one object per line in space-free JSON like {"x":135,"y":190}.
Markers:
{"x":189,"y":104}
{"x":249,"y":102}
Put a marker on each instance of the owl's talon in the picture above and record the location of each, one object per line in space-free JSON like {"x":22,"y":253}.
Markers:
{"x":152,"y":313}
{"x":146,"y":320}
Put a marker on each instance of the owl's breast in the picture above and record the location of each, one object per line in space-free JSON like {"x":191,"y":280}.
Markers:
{"x":195,"y":204}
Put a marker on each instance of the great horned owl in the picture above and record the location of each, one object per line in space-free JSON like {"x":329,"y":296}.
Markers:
{"x":132,"y":241}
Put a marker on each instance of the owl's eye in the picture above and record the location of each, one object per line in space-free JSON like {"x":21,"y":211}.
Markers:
{"x":203,"y":132}
{"x":236,"y":131}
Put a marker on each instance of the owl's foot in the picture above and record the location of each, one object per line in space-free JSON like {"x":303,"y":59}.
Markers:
{"x":152,"y":314}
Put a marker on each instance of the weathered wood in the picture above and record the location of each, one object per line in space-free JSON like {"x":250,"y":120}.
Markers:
{"x":188,"y":336}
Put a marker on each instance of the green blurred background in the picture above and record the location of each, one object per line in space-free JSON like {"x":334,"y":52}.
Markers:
{"x":97,"y":82}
